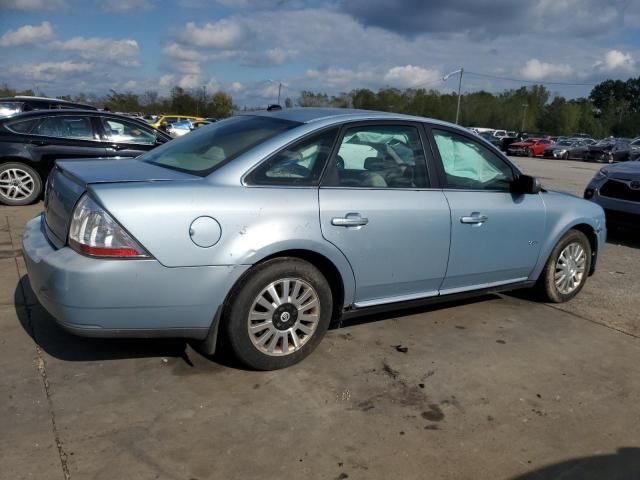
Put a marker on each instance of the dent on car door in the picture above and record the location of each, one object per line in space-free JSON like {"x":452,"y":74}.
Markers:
{"x":124,"y":138}
{"x":376,"y":207}
{"x":495,"y":234}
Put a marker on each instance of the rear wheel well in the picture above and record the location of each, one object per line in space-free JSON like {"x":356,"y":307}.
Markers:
{"x":35,"y":165}
{"x":593,"y":242}
{"x":326,"y":267}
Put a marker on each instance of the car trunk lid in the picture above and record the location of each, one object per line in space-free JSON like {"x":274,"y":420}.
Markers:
{"x":71,"y":178}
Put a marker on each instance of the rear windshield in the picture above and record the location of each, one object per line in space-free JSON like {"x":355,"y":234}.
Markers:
{"x":208,"y":148}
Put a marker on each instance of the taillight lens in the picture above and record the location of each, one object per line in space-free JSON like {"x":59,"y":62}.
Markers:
{"x":93,"y":232}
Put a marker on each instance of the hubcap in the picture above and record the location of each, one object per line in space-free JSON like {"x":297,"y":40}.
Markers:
{"x":570,"y":268}
{"x":16,"y":184}
{"x":284,"y":316}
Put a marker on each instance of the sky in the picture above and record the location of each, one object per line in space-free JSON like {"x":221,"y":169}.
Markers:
{"x":248,"y":47}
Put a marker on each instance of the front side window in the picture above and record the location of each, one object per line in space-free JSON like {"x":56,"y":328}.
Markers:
{"x":9,"y":108}
{"x":469,"y":165}
{"x":299,"y":164}
{"x":66,"y":127}
{"x":204,"y":150}
{"x":380,"y":156}
{"x":118,"y":130}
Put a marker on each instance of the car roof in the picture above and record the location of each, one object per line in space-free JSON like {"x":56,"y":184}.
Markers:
{"x":309,"y":114}
{"x":68,"y":111}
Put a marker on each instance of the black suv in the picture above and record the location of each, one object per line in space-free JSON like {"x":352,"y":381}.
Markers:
{"x":30,"y":143}
{"x":10,"y":106}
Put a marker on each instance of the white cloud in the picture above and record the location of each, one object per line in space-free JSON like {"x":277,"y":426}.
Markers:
{"x":616,"y":60}
{"x":221,"y":34}
{"x":534,"y":69}
{"x":180,"y":52}
{"x":50,"y":71}
{"x":167,"y":81}
{"x":237,"y":87}
{"x":277,"y":56}
{"x":340,"y":77}
{"x":122,"y":6}
{"x":33,"y":5}
{"x":412,"y":76}
{"x":27,"y":34}
{"x":122,"y":52}
{"x":130,"y":85}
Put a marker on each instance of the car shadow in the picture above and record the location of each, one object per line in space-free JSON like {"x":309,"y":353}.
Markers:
{"x":60,"y":344}
{"x":624,"y":236}
{"x":622,"y":465}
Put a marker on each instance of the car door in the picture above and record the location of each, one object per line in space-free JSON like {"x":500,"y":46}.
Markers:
{"x":64,"y":137}
{"x":495,"y":234}
{"x":377,"y":206}
{"x":124,"y":138}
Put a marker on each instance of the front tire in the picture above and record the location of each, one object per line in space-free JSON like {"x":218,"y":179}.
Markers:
{"x":19,"y":184}
{"x":279,"y":314}
{"x":567,"y":268}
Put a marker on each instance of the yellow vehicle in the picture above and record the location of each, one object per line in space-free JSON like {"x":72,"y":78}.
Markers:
{"x":164,"y":121}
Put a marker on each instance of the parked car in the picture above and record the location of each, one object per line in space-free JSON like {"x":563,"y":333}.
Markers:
{"x":185,"y":126}
{"x":492,"y":139}
{"x":560,"y":150}
{"x":254,"y":231}
{"x":579,"y":150}
{"x":531,"y":147}
{"x":30,"y":143}
{"x":163,"y":121}
{"x":609,"y":151}
{"x":10,"y":106}
{"x":616,"y":188}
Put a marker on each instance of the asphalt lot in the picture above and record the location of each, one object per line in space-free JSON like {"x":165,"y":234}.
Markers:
{"x":495,"y":388}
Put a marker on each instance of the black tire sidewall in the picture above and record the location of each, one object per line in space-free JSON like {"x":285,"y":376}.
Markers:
{"x":549,"y":288}
{"x":238,"y":306}
{"x":37,"y":187}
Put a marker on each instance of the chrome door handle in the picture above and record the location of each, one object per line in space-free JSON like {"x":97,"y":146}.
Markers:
{"x":349,"y":220}
{"x":474,"y":218}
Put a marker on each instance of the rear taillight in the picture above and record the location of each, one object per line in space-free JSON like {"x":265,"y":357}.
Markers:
{"x":93,"y":232}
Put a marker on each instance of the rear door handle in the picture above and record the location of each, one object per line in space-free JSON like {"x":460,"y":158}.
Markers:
{"x":475,"y":218}
{"x":350,"y":220}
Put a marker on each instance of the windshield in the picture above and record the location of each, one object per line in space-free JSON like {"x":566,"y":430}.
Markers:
{"x":564,"y":143}
{"x":9,"y":108}
{"x":207,"y":148}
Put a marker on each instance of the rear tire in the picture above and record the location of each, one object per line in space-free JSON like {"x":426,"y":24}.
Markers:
{"x":279,"y":314}
{"x":19,"y":184}
{"x":529,"y":153}
{"x":567,"y":268}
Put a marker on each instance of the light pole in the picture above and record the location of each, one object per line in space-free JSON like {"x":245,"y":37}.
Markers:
{"x":524,"y":115}
{"x":279,"y":88}
{"x":446,"y":77}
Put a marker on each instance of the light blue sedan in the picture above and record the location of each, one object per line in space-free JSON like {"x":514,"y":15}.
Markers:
{"x":262,"y":229}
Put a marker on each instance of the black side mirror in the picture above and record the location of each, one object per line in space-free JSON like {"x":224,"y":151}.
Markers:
{"x":526,"y":184}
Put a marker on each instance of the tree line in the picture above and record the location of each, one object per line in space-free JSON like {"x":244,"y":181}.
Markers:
{"x":612,"y":107}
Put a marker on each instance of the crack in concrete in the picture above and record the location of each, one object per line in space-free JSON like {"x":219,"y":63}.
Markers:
{"x":582,"y":317}
{"x":42,"y":369}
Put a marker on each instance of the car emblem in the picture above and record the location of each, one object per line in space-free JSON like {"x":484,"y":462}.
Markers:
{"x":635,"y":185}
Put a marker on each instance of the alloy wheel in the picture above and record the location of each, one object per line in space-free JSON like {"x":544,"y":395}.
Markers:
{"x":16,"y":184}
{"x":570,"y":268}
{"x":283,"y":317}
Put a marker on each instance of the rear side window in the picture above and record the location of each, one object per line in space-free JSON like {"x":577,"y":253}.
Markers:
{"x":66,"y":127}
{"x":206,"y":149}
{"x":22,"y":126}
{"x":380,"y":156}
{"x":298,"y":164}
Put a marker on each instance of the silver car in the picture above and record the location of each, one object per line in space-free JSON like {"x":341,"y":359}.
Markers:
{"x":616,"y":188}
{"x":264,"y":228}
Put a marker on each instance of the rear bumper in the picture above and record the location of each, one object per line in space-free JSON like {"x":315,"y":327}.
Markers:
{"x":123,"y":298}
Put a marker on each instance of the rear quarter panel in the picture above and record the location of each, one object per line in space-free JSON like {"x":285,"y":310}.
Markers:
{"x":255,"y":222}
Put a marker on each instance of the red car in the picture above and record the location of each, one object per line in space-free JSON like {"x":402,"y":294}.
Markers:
{"x":531,"y":147}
